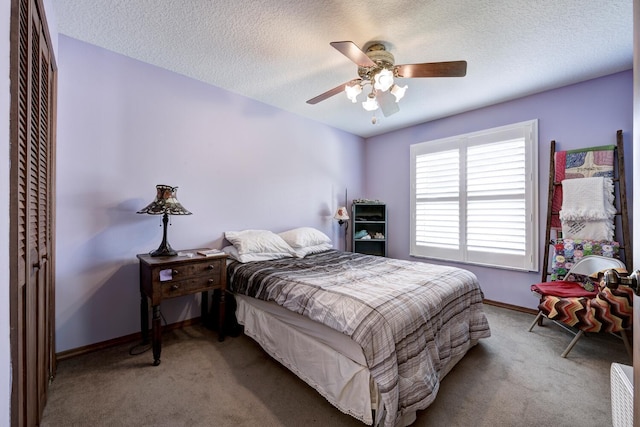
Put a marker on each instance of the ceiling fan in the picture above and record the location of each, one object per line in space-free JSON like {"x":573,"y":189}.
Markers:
{"x":376,"y":68}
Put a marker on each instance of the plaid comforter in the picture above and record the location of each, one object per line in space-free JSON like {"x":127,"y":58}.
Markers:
{"x":410,"y":318}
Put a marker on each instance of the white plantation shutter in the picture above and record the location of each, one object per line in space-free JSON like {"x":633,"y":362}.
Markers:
{"x":474,"y":198}
{"x":437,"y":183}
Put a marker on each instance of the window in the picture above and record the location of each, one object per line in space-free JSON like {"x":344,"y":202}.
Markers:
{"x":474,"y":198}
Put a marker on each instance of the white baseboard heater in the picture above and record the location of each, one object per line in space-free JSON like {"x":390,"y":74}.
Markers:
{"x":621,"y":395}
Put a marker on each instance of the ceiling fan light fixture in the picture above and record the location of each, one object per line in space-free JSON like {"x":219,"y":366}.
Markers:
{"x":371,"y":104}
{"x":383,"y":79}
{"x":377,"y":68}
{"x":398,"y":91}
{"x":353,"y":92}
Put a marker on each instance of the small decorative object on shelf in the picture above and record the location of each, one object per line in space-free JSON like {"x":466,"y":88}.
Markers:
{"x":369,"y":227}
{"x":367,"y":201}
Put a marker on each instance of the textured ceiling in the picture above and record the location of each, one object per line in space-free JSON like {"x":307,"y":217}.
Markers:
{"x":278,"y":52}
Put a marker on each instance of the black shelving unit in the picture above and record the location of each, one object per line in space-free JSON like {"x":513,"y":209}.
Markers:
{"x":372,"y":219}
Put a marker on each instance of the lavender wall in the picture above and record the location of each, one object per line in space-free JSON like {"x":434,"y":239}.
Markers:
{"x":125,"y":126}
{"x":579,"y":115}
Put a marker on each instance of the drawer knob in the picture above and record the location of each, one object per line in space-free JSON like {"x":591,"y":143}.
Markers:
{"x":211,"y":281}
{"x":211,"y":267}
{"x":175,"y":287}
{"x":174,"y":272}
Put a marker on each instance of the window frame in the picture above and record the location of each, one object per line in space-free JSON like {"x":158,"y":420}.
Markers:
{"x":527,"y":258}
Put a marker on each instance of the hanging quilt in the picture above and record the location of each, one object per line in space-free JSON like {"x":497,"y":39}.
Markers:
{"x":582,"y":163}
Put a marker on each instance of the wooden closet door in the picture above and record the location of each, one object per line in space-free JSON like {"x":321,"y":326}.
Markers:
{"x":31,"y":222}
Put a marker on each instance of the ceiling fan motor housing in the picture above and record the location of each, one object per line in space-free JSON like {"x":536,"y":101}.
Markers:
{"x":383,"y":59}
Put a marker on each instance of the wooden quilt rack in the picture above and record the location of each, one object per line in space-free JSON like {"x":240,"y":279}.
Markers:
{"x":622,"y":233}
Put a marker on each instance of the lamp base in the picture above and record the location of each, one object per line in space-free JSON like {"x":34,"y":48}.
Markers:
{"x":164,"y":250}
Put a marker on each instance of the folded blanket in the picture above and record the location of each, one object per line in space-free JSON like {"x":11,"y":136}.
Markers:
{"x":587,"y":208}
{"x":562,"y":289}
{"x":587,"y":199}
{"x":601,"y":229}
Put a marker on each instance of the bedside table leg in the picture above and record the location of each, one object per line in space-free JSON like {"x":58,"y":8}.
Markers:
{"x":221,"y":317}
{"x":204,"y":308}
{"x":156,"y":335}
{"x":144,"y":318}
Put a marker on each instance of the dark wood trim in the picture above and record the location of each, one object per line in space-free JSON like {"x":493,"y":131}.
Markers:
{"x":79,"y":351}
{"x":47,"y":34}
{"x":51,"y":308}
{"x":552,"y":189}
{"x":626,"y":238}
{"x":510,"y":306}
{"x":14,"y":55}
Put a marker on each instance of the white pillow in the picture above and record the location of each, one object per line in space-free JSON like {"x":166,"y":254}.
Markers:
{"x":303,"y":252}
{"x":258,"y":241}
{"x":304,"y":237}
{"x":233,"y":253}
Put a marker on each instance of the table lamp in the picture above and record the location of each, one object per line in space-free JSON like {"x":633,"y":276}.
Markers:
{"x":165,"y":203}
{"x":343,"y":218}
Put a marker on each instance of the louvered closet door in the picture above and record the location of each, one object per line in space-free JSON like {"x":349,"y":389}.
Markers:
{"x":31,"y":213}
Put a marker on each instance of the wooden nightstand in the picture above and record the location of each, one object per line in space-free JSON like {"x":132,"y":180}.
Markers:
{"x":174,"y":276}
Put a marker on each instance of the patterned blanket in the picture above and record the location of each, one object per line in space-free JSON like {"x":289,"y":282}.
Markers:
{"x":567,"y":252}
{"x":610,"y":310}
{"x":410,"y":318}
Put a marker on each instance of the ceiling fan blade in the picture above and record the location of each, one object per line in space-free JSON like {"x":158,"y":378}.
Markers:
{"x":387,"y":103}
{"x":433,"y":69}
{"x":354,"y":53}
{"x":328,"y":94}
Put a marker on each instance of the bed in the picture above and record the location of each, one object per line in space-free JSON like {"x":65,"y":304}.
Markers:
{"x":373,"y":335}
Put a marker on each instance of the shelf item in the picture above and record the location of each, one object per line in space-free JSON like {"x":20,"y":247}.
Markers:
{"x":369,"y":231}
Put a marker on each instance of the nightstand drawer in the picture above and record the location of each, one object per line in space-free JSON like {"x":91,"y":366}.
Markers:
{"x":176,"y":288}
{"x":187,"y":271}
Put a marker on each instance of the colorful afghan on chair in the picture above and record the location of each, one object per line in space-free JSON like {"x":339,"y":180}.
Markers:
{"x":583,"y":163}
{"x":610,"y":311}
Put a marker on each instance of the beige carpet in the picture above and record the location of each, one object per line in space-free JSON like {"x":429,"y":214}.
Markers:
{"x":514,"y":378}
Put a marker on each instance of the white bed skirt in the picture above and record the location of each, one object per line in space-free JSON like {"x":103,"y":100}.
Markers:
{"x":343,"y":382}
{"x":330,"y":362}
